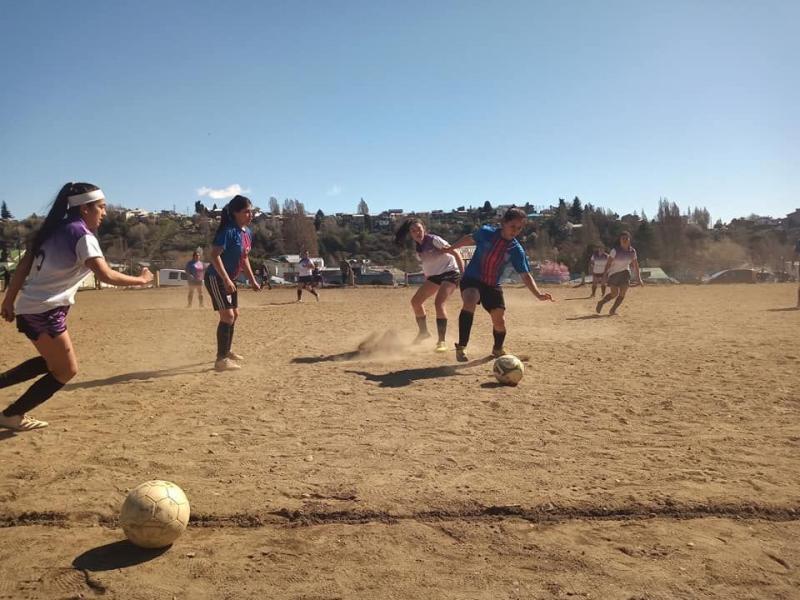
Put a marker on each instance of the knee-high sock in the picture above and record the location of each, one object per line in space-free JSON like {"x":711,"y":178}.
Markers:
{"x":230,"y":338}
{"x":223,"y":339}
{"x":41,"y":390}
{"x":464,"y":327}
{"x":616,"y":304}
{"x":441,"y":328}
{"x":499,"y":338}
{"x":299,"y":293}
{"x":24,"y":371}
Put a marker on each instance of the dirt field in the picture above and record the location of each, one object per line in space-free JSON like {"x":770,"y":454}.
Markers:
{"x":653,"y":455}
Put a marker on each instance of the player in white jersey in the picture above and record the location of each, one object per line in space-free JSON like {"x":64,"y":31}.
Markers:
{"x":306,"y":279}
{"x":618,"y":272}
{"x":442,"y":267}
{"x":597,"y":266}
{"x":63,"y":252}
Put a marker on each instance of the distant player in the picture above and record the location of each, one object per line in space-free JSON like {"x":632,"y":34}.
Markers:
{"x":305,"y":277}
{"x":195,"y":270}
{"x":495,"y":249}
{"x":617,"y":272}
{"x":62,"y":253}
{"x":229,"y":257}
{"x":597,"y":266}
{"x":442,"y":267}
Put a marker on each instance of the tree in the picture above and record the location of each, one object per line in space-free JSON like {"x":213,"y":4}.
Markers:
{"x":318,"y":219}
{"x":274,"y":206}
{"x":362,"y":209}
{"x":298,"y":230}
{"x":199,"y":208}
{"x":487,"y":208}
{"x":5,"y":213}
{"x":575,"y":212}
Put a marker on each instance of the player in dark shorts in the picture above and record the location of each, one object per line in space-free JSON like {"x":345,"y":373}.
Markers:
{"x":495,"y":248}
{"x":617,"y":273}
{"x":229,"y":257}
{"x":305,"y":277}
{"x":442,"y":267}
{"x":62,"y":254}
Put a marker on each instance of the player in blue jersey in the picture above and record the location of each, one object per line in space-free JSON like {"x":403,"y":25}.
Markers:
{"x":229,"y":257}
{"x":495,"y":249}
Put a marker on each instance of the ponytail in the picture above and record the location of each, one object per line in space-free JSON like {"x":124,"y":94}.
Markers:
{"x":59,"y":211}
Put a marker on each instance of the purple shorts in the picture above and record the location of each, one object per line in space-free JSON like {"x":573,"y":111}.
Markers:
{"x":53,"y":323}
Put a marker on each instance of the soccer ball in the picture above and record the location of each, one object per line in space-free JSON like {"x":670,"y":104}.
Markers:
{"x":154,"y":514}
{"x":508,"y":369}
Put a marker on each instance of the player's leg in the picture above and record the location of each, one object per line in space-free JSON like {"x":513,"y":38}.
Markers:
{"x":498,"y":330}
{"x":62,"y":365}
{"x":470,"y":297}
{"x":425,"y":291}
{"x":440,"y":302}
{"x":189,"y":299}
{"x":614,"y":290}
{"x":620,"y":297}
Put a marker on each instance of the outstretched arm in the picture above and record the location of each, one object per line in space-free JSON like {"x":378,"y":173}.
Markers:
{"x":106,"y":274}
{"x":637,"y":271}
{"x":467,"y":240}
{"x":529,"y":282}
{"x":457,"y":255}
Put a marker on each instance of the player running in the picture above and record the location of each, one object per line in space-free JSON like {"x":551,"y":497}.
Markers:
{"x":617,"y":272}
{"x":63,"y":252}
{"x":495,"y":249}
{"x":442,"y":266}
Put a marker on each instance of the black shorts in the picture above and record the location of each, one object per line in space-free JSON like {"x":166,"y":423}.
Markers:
{"x":220,"y":298}
{"x":620,"y":280}
{"x":451,"y":276}
{"x":305,"y":279}
{"x":491,"y":297}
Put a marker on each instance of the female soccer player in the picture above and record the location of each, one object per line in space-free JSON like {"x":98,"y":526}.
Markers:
{"x":229,"y":257}
{"x":495,"y":248}
{"x":597,"y":265}
{"x":62,"y":253}
{"x":306,"y":279}
{"x":194,"y":271}
{"x":442,"y":267}
{"x":618,"y":272}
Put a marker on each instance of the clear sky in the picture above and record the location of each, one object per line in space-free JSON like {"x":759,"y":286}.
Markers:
{"x":412,"y":105}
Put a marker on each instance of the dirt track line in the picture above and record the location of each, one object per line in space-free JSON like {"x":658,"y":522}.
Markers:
{"x":537,"y":514}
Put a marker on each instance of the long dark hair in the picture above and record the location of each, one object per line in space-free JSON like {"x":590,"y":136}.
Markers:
{"x":236,"y":204}
{"x":402,"y":232}
{"x":59,"y":212}
{"x":514,"y":213}
{"x":618,"y":245}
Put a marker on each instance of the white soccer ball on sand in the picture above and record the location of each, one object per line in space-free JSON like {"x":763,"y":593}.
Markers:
{"x":154,"y":514}
{"x":508,"y":369}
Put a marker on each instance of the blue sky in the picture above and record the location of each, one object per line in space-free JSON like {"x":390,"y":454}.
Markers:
{"x":412,"y":105}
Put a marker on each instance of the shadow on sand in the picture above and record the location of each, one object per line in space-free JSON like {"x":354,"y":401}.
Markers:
{"x":588,"y":317}
{"x":787,"y":309}
{"x":580,"y":298}
{"x":406,"y":377}
{"x":139,"y":376}
{"x":116,"y":555}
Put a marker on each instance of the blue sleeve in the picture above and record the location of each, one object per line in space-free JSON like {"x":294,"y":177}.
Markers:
{"x":483,"y":234}
{"x":518,"y":259}
{"x":189,"y":268}
{"x":221,"y":238}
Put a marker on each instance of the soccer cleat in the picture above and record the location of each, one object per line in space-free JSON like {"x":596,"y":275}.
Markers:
{"x":233,"y":356}
{"x":461,"y":353}
{"x":599,"y":307}
{"x":226,"y":364}
{"x":498,"y":352}
{"x":441,"y":347}
{"x":21,"y":422}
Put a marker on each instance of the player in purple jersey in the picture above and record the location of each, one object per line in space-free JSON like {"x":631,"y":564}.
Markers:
{"x":62,"y":253}
{"x":442,"y":267}
{"x":195,"y":270}
{"x":495,"y":249}
{"x":618,"y":272}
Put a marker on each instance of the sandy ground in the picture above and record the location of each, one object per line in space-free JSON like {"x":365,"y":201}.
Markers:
{"x":649,"y":455}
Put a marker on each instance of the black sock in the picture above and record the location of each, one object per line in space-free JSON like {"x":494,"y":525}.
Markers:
{"x":441,"y":328}
{"x":299,"y":294}
{"x":464,"y":327}
{"x":223,"y":339}
{"x":422,"y":324}
{"x":40,"y":391}
{"x":499,"y":338}
{"x":22,"y":372}
{"x":230,"y":338}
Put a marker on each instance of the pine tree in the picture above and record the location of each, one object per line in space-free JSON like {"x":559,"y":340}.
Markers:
{"x":362,"y":209}
{"x":5,"y":214}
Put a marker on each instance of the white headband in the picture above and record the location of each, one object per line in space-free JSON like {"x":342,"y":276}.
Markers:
{"x":85,"y":198}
